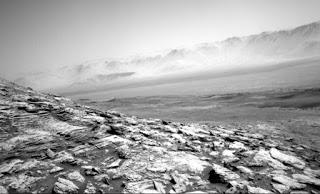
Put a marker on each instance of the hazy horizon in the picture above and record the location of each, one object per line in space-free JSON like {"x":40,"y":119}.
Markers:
{"x":39,"y":35}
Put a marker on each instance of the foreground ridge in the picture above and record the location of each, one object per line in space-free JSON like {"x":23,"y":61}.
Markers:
{"x":49,"y":144}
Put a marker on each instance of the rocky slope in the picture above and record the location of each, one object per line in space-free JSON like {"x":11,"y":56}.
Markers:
{"x":51,"y":144}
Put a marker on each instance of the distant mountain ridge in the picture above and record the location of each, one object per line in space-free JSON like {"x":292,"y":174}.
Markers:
{"x":235,"y":52}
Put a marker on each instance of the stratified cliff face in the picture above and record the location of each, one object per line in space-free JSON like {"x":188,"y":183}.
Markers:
{"x":51,"y":144}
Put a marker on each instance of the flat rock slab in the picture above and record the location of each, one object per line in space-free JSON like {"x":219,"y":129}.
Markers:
{"x":287,"y":159}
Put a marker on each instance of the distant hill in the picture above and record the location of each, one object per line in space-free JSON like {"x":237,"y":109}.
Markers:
{"x":233,"y":53}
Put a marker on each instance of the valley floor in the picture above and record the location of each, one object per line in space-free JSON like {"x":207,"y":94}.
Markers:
{"x":291,"y":112}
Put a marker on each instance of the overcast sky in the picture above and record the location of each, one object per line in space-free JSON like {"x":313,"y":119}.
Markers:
{"x":38,"y":34}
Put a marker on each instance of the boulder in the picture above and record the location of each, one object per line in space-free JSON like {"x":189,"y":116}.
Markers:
{"x":64,"y":186}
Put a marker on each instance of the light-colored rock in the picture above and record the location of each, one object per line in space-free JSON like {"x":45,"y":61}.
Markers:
{"x":196,"y":192}
{"x":64,"y":157}
{"x":75,"y":175}
{"x":64,"y":186}
{"x":159,"y":187}
{"x":255,"y":190}
{"x":263,"y":156}
{"x":287,"y":159}
{"x":287,"y":181}
{"x":115,"y":164}
{"x":214,"y":153}
{"x":170,"y":129}
{"x":113,"y":139}
{"x":178,"y":137}
{"x":281,"y":188}
{"x":55,"y":169}
{"x":299,"y":192}
{"x":245,"y":170}
{"x":237,"y":146}
{"x":157,"y":169}
{"x":228,"y":153}
{"x":50,"y":153}
{"x":306,"y":179}
{"x":140,"y":186}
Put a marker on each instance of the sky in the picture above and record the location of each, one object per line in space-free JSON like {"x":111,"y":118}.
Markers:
{"x":38,"y":35}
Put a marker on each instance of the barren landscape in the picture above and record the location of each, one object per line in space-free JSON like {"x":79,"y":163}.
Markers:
{"x":51,"y":144}
{"x":162,"y":96}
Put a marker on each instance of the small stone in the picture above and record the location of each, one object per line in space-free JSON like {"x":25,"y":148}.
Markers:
{"x":159,"y":169}
{"x":55,"y":169}
{"x":245,"y":170}
{"x":159,"y":187}
{"x":50,"y":153}
{"x":228,"y":153}
{"x":115,"y":164}
{"x":237,"y":146}
{"x":63,"y":186}
{"x":214,"y":153}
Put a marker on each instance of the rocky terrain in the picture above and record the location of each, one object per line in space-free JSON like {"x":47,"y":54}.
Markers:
{"x":50,"y":144}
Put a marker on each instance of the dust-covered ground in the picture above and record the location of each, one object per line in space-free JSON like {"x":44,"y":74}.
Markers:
{"x":294,"y":112}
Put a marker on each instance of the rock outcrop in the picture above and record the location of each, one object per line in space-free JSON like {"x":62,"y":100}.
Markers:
{"x":49,"y":144}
